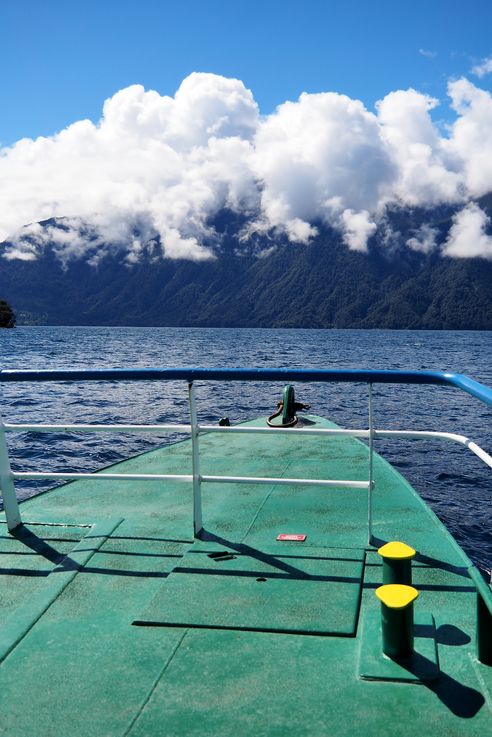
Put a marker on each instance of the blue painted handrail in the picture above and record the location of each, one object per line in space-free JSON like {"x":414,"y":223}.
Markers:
{"x":368,"y":376}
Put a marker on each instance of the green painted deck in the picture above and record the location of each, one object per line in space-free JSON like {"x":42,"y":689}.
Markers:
{"x":310,"y":591}
{"x":216,"y":651}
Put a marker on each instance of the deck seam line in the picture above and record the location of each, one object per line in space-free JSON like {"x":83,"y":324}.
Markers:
{"x":267,"y":497}
{"x":485,"y":690}
{"x":361,"y":594}
{"x":155,"y":684}
{"x":46,"y":598}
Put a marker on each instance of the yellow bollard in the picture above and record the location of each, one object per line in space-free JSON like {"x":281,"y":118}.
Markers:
{"x":397,"y":563}
{"x":397,"y":619}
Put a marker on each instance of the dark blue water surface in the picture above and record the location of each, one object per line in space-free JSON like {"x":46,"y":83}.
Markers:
{"x":455,"y":483}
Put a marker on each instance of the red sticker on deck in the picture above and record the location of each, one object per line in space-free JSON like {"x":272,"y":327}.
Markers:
{"x":291,"y":538}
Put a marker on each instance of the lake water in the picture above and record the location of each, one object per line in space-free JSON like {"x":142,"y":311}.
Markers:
{"x":455,"y":483}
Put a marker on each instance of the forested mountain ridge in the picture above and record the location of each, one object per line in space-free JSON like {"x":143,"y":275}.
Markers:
{"x":267,"y":282}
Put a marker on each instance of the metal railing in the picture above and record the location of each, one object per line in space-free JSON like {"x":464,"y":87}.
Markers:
{"x":7,"y":476}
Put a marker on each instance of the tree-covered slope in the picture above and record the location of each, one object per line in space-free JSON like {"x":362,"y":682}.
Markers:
{"x":322,"y":284}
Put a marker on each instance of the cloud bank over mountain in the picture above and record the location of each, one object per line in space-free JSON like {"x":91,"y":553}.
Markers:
{"x":159,"y":167}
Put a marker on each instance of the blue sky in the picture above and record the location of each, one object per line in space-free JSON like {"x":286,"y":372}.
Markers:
{"x":61,"y":59}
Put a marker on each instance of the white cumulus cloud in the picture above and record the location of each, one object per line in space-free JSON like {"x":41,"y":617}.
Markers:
{"x":468,"y":237}
{"x":319,"y":157}
{"x":156,"y":169}
{"x":423,"y":239}
{"x":357,"y":228}
{"x":471,"y":136}
{"x":158,"y":163}
{"x":428,"y":172}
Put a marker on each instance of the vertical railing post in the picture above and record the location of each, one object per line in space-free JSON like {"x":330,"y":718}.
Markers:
{"x":7,"y":488}
{"x":371,"y":468}
{"x":197,"y":487}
